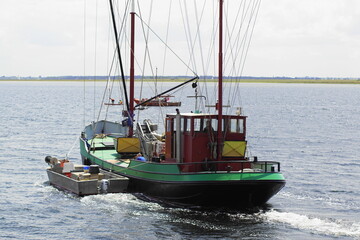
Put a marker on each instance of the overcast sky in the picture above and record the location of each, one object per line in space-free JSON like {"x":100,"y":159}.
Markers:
{"x":317,"y":38}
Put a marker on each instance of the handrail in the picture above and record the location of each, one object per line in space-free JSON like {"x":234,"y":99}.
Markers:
{"x":266,"y":164}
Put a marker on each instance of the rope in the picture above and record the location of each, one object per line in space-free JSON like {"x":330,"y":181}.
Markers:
{"x":72,"y":147}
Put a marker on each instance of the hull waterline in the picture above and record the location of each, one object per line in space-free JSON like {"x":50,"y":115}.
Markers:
{"x":240,"y":194}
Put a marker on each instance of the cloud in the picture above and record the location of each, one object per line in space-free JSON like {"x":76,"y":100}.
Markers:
{"x":307,"y":38}
{"x":291,"y":38}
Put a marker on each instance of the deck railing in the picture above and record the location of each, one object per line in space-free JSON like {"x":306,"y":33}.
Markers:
{"x":229,"y":166}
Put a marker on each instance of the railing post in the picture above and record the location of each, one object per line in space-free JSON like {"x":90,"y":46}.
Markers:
{"x":266,"y":166}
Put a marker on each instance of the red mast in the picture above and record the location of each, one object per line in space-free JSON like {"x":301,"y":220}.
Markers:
{"x":132,"y":68}
{"x":220,"y":103}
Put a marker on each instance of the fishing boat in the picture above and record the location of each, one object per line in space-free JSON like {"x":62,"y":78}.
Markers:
{"x":201,"y":159}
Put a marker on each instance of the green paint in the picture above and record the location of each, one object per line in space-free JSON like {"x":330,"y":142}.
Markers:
{"x":170,"y":172}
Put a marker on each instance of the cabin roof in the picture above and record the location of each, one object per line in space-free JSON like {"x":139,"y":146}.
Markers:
{"x":202,"y":115}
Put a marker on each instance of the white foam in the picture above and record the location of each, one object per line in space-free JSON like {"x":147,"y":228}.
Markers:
{"x":338,"y":203}
{"x":109,"y":199}
{"x":119,"y":202}
{"x":315,"y":225}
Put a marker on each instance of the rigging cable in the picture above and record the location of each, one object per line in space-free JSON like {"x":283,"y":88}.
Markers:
{"x":177,"y":56}
{"x":211,"y":56}
{"x":119,"y":56}
{"x":164,"y":59}
{"x":84,"y":66}
{"x":254,"y":15}
{"x":121,"y":37}
{"x":115,"y":60}
{"x":167,"y":35}
{"x":95,"y":52}
{"x":113,"y":63}
{"x":187,"y":29}
{"x":212,"y":53}
{"x":149,"y":29}
{"x":192,"y":43}
{"x":233,"y":54}
{"x":147,"y":51}
{"x":205,"y":67}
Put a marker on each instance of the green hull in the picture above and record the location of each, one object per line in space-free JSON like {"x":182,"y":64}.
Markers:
{"x":166,"y":182}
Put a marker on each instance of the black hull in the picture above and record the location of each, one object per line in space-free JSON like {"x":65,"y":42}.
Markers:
{"x":240,"y":194}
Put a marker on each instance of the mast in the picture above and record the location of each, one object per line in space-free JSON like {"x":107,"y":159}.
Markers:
{"x":220,"y":79}
{"x":119,"y":55}
{"x":132,"y":68}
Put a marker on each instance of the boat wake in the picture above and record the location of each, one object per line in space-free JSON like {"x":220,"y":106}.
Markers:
{"x":117,"y":203}
{"x":111,"y":199}
{"x":330,"y":227}
{"x":327,"y":201}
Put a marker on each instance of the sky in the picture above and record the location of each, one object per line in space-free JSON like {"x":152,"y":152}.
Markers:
{"x":307,"y":38}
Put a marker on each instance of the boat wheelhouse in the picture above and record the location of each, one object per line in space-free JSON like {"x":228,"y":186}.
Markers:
{"x":191,"y":140}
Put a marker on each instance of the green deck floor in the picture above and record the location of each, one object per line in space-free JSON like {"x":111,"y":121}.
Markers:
{"x":105,"y":154}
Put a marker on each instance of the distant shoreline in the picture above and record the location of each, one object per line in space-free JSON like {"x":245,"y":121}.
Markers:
{"x":243,"y":80}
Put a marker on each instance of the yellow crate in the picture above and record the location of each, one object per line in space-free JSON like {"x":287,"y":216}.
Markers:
{"x":127,"y":145}
{"x":234,"y":149}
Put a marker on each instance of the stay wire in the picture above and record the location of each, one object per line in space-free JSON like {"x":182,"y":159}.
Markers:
{"x":177,"y":56}
{"x":198,"y":36}
{"x":147,"y":52}
{"x":147,"y":58}
{"x":230,"y":46}
{"x":255,"y":12}
{"x":95,"y":52}
{"x":113,"y":63}
{"x":84,"y":66}
{"x":167,"y":35}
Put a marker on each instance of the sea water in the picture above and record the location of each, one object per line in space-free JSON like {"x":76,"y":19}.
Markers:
{"x":313,"y":130}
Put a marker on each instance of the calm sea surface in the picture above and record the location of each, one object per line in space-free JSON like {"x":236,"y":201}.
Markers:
{"x":313,"y":130}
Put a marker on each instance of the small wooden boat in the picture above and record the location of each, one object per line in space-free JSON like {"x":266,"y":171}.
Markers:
{"x":113,"y":104}
{"x":159,"y":102}
{"x":83,"y":180}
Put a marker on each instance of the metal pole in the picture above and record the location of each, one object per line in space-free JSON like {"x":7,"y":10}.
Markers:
{"x":220,"y":104}
{"x":132,"y":68}
{"x":119,"y":55}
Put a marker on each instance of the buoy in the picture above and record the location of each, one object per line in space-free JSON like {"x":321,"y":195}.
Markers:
{"x":104,"y":185}
{"x":47,"y":159}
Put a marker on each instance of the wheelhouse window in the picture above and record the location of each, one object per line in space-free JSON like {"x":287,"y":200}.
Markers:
{"x":214,"y":124}
{"x":198,"y":124}
{"x":168,"y":125}
{"x":236,"y":126}
{"x":187,"y":122}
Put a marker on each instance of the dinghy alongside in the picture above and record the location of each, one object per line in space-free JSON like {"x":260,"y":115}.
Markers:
{"x":83,"y":180}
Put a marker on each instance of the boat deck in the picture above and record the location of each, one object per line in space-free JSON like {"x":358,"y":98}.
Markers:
{"x":103,"y":148}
